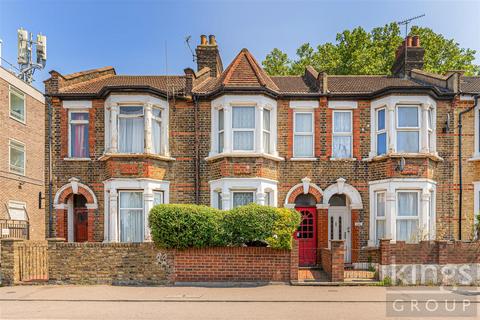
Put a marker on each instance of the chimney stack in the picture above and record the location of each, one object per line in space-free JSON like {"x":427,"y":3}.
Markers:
{"x":209,"y":56}
{"x":409,"y":56}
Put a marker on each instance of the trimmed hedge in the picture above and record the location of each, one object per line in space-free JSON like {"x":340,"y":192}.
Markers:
{"x":182,"y":226}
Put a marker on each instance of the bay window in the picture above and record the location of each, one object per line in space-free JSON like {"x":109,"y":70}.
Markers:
{"x":157,"y":197}
{"x":303,"y":135}
{"x":402,"y":209}
{"x":136,"y":124}
{"x":407,"y":216}
{"x":408,"y":129}
{"x":342,"y":134}
{"x":227,"y":193}
{"x":131,"y":216}
{"x":131,"y":129}
{"x":17,"y":104}
{"x":403,"y":124}
{"x":17,"y":157}
{"x":78,"y":147}
{"x":243,"y":128}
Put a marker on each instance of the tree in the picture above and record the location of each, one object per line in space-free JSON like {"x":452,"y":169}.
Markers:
{"x":360,"y":52}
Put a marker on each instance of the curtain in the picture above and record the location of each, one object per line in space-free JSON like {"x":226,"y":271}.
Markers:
{"x":242,"y":198}
{"x":266,"y":142}
{"x":342,"y":122}
{"x":303,"y":122}
{"x":156,"y":136}
{"x":157,"y":198}
{"x":407,"y":230}
{"x":243,"y":140}
{"x":380,"y":205}
{"x":407,"y":207}
{"x":266,"y":119}
{"x":79,"y":140}
{"x":131,"y":131}
{"x":342,"y":147}
{"x":407,"y":117}
{"x":407,"y":141}
{"x":131,"y":217}
{"x":303,"y":146}
{"x":243,"y":117}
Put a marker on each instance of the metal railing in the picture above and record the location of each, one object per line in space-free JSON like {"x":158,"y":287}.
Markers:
{"x":14,"y":229}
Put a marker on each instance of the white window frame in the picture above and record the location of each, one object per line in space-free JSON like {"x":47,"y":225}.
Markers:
{"x":159,"y":120}
{"x":342,"y":134}
{"x":476,"y":202}
{"x":253,"y":130}
{"x":227,"y":103}
{"x":221,"y":131}
{"x":377,"y":218}
{"x":13,"y":204}
{"x":427,"y":209}
{"x":136,"y":116}
{"x":391,"y":104}
{"x":408,"y":129}
{"x":70,"y":122}
{"x":20,"y":94}
{"x":162,"y":193}
{"x":24,"y":150}
{"x":120,"y":192}
{"x":265,"y":131}
{"x":382,"y":131}
{"x":476,"y":155}
{"x":410,"y":218}
{"x":304,"y":133}
{"x":225,"y":187}
{"x":112,"y":113}
{"x":234,"y":192}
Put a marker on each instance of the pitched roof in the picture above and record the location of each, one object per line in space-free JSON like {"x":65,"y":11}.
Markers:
{"x":470,"y":84}
{"x":292,"y":84}
{"x":243,"y":72}
{"x":164,"y":84}
{"x":367,"y":84}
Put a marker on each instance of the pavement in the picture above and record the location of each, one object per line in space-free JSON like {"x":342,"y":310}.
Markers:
{"x":238,"y":302}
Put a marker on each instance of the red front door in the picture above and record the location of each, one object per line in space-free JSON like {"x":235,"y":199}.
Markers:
{"x":307,"y":237}
{"x":80,"y":224}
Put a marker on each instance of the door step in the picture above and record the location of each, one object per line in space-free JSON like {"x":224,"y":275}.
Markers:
{"x":359,"y":275}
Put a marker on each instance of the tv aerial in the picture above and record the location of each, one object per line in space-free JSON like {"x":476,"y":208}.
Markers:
{"x":187,"y":42}
{"x":25,"y":54}
{"x":406,"y":22}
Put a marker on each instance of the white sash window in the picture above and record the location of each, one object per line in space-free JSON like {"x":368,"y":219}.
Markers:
{"x":342,"y":134}
{"x":408,"y":129}
{"x":131,"y":129}
{"x":243,"y":120}
{"x":408,"y":203}
{"x":380,"y":215}
{"x":131,"y":216}
{"x":303,"y":140}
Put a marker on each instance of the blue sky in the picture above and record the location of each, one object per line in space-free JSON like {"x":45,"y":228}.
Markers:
{"x":133,"y":36}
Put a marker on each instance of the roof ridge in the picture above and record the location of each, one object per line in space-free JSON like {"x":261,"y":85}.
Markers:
{"x":82,"y":73}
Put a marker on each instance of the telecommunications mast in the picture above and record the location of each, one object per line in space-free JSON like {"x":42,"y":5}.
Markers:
{"x":25,"y":54}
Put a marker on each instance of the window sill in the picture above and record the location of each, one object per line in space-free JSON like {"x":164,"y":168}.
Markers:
{"x":244,"y":155}
{"x":24,"y":122}
{"x":303,"y":159}
{"x":107,"y":156}
{"x":343,"y":159}
{"x":77,"y":159}
{"x":475,"y":158}
{"x":431,"y":156}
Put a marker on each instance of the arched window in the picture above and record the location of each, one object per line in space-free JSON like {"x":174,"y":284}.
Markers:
{"x":338,"y":200}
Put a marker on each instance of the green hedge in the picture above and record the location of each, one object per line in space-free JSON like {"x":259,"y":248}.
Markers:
{"x":183,"y":226}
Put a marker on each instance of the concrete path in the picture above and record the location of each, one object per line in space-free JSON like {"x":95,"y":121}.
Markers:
{"x":259,"y":302}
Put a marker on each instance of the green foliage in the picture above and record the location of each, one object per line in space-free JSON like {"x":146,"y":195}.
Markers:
{"x":182,"y":226}
{"x":387,"y":281}
{"x":360,"y":52}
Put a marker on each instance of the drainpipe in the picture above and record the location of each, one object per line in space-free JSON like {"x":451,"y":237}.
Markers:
{"x":197,"y":148}
{"x":50,"y":176}
{"x":460,"y":166}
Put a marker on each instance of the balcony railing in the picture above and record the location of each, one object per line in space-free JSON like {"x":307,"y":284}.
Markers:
{"x":14,"y":229}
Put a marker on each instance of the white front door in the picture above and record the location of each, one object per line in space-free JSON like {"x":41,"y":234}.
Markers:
{"x":339,"y":228}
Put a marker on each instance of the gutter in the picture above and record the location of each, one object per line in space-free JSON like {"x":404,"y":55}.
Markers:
{"x":460,"y":165}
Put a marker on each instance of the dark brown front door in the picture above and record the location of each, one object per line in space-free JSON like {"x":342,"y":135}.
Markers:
{"x":307,"y":237}
{"x":80,"y":224}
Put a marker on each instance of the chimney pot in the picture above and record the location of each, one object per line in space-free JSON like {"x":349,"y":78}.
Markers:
{"x":211,"y":40}
{"x":409,"y":41}
{"x":203,"y":40}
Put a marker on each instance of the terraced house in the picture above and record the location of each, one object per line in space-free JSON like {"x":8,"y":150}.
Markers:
{"x":361,"y":157}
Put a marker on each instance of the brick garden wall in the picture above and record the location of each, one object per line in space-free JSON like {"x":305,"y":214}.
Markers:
{"x":145,"y":264}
